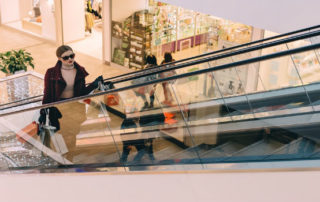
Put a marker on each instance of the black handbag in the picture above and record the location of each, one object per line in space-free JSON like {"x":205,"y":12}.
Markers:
{"x":54,"y":116}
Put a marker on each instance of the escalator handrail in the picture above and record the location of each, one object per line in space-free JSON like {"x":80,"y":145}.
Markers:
{"x":209,"y":59}
{"x":225,"y":66}
{"x":157,"y":69}
{"x":21,"y":104}
{"x":219,"y":51}
{"x":17,"y":101}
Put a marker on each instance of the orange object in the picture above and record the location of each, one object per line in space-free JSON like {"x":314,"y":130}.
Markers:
{"x":87,"y":101}
{"x":169,"y":118}
{"x":170,"y":121}
{"x":111,"y":99}
{"x":168,"y":114}
{"x":39,"y":19}
{"x":31,"y":129}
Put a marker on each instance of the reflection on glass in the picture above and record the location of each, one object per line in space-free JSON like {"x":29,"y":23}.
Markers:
{"x":307,"y":65}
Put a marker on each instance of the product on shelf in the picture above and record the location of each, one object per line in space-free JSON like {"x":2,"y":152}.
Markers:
{"x":132,"y":39}
{"x":140,"y":38}
{"x":118,"y":56}
{"x":116,"y":29}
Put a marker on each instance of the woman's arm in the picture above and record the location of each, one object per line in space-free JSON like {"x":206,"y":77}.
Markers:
{"x":89,"y":88}
{"x":47,"y":88}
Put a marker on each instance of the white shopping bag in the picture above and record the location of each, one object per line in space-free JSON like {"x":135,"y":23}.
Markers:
{"x":59,"y":143}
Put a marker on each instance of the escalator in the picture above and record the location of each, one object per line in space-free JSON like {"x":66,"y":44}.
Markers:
{"x":226,"y":111}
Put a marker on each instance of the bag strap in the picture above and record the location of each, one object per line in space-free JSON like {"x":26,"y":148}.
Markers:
{"x":101,"y":87}
{"x":47,"y":117}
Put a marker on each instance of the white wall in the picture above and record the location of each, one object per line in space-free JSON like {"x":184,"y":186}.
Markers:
{"x":274,"y":15}
{"x":48,"y":20}
{"x":210,"y":187}
{"x":25,"y":7}
{"x":73,"y":20}
{"x":121,"y":9}
{"x":10,"y":11}
{"x":106,"y":33}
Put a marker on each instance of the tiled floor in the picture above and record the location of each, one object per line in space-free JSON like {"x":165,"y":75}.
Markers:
{"x":43,"y":53}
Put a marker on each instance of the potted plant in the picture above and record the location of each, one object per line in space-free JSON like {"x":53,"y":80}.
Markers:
{"x":12,"y":62}
{"x":15,"y":60}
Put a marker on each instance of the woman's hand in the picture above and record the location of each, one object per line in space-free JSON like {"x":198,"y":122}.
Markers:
{"x":96,"y":81}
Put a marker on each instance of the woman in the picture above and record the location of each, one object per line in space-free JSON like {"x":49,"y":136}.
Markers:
{"x":151,"y":61}
{"x":63,"y":81}
{"x":128,"y":143}
{"x":168,"y":98}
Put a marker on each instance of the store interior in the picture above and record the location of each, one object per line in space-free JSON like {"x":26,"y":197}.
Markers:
{"x":138,"y":28}
{"x":35,"y":17}
{"x":38,"y":18}
{"x":30,"y":17}
{"x":155,"y":27}
{"x":151,"y":27}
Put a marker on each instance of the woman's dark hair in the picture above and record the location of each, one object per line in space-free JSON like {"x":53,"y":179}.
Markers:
{"x":152,"y":60}
{"x":167,"y":57}
{"x":61,"y":49}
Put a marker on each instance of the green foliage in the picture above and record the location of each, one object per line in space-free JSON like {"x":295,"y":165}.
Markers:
{"x":15,"y":60}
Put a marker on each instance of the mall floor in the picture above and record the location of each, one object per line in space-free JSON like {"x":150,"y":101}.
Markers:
{"x":43,"y":53}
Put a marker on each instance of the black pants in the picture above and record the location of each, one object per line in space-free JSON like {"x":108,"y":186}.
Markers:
{"x":151,"y":120}
{"x":127,"y":145}
{"x":149,"y":148}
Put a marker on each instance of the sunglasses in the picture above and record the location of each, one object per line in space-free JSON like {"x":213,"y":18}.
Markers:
{"x":69,"y":56}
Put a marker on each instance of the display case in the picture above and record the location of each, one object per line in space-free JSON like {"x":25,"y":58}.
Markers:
{"x":131,"y":39}
{"x":139,"y":38}
{"x":32,"y":26}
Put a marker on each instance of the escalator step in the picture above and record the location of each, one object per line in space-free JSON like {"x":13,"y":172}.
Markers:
{"x":299,"y":148}
{"x":223,"y":150}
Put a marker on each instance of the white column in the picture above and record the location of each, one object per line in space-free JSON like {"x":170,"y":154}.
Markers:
{"x":73,"y":20}
{"x":106,"y":32}
{"x":47,"y":8}
{"x":10,"y":11}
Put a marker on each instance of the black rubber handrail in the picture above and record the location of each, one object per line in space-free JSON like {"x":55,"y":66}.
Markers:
{"x":211,"y":69}
{"x":21,"y":104}
{"x":219,"y":51}
{"x":17,"y":101}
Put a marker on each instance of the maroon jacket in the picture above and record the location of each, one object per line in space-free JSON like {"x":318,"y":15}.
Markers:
{"x":54,"y":84}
